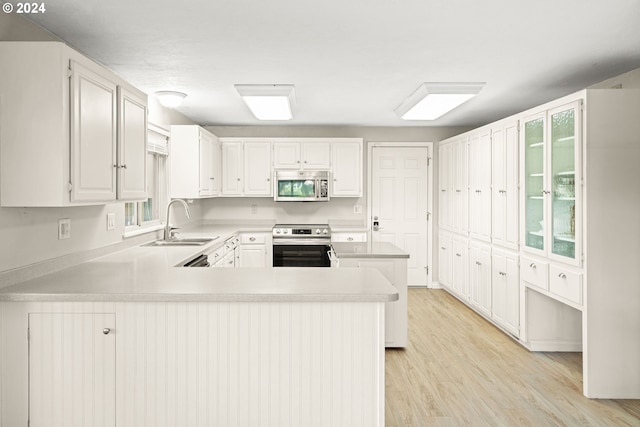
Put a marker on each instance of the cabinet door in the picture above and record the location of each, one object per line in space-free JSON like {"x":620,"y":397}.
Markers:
{"x":505,"y":288}
{"x":565,"y":161}
{"x":216,"y":169}
{"x":444,"y":175}
{"x":316,"y":155}
{"x":480,"y":277}
{"x":257,"y":169}
{"x":480,"y":185}
{"x":535,"y":193}
{"x":71,"y":369}
{"x":93,"y":136}
{"x":232,"y":168}
{"x":460,"y":188}
{"x":460,"y":267}
{"x":444,"y":259}
{"x":132,"y":146}
{"x":346,"y":165}
{"x":504,"y":201}
{"x":253,"y":256}
{"x":286,"y":155}
{"x":206,"y":178}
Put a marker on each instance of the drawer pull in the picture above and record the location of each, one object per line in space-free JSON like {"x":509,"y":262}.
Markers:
{"x":350,"y":239}
{"x":443,"y":248}
{"x":252,"y":239}
{"x":502,"y":273}
{"x":532,"y":265}
{"x":106,"y":331}
{"x":458,"y":255}
{"x":478,"y":263}
{"x":562,"y":276}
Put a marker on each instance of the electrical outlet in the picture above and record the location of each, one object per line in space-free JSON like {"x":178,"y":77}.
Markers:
{"x":254,"y":209}
{"x":111,"y":221}
{"x":64,"y":228}
{"x":357,"y":209}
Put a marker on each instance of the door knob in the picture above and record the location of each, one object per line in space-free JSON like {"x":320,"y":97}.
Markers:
{"x":106,"y":331}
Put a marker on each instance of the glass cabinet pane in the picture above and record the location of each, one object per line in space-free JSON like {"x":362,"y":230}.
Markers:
{"x":563,"y":207}
{"x":534,"y":183}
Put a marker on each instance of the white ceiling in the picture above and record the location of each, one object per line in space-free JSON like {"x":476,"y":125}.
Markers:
{"x":353,"y":61}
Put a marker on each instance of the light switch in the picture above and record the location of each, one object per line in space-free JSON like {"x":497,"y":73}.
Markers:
{"x":111,"y":221}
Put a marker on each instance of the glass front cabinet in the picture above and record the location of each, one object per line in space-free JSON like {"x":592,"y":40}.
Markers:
{"x":552,"y":176}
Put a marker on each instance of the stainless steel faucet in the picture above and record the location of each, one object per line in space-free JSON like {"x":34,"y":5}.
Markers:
{"x":168,"y":228}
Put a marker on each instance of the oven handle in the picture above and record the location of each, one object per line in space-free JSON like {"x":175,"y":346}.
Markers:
{"x":311,"y":242}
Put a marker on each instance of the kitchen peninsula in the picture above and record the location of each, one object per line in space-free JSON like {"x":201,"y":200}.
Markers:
{"x":129,"y":339}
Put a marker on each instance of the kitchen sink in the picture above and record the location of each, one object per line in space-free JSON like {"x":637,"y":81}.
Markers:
{"x":182,"y":242}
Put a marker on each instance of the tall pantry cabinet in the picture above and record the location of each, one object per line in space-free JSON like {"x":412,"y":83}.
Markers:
{"x":479,"y":216}
{"x":575,"y":248}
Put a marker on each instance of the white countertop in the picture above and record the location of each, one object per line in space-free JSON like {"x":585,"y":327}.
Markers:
{"x":144,"y":273}
{"x":367,"y":250}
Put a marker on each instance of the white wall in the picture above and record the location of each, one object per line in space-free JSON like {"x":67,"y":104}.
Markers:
{"x":630,"y":80}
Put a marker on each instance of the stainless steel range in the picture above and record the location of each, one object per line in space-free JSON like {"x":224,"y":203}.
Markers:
{"x":301,"y":245}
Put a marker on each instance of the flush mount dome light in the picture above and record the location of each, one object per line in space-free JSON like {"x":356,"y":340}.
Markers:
{"x":170,"y":99}
{"x":432,"y":100}
{"x":268,"y":102}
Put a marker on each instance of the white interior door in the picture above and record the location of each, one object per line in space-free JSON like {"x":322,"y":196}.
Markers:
{"x":399,"y":199}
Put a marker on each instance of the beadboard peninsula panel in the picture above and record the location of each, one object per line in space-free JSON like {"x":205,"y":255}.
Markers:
{"x":228,"y":364}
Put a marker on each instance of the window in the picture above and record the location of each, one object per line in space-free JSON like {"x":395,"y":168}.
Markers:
{"x":146,"y":216}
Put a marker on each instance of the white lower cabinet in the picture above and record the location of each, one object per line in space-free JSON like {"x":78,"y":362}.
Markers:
{"x":255,"y":250}
{"x":480,"y":277}
{"x":191,"y":363}
{"x":72,"y":367}
{"x":505,"y":290}
{"x":394,"y":270}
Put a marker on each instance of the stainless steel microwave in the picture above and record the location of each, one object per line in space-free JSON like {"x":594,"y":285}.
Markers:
{"x":301,"y":186}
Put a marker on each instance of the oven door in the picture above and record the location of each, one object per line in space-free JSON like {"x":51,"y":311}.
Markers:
{"x":307,"y":255}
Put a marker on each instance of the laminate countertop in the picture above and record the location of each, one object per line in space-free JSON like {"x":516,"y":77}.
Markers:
{"x":144,"y":273}
{"x":368,"y":250}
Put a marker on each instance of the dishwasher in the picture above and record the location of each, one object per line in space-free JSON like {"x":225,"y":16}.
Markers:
{"x":199,"y":261}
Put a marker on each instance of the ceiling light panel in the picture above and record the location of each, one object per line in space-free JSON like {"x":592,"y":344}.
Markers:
{"x":268,"y":102}
{"x":433,"y":100}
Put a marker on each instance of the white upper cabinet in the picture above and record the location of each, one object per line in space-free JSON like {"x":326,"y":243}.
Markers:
{"x":132,"y":149}
{"x":232,"y":168}
{"x":310,"y":155}
{"x":480,"y":185}
{"x":459,"y":193}
{"x":346,"y":169}
{"x":246,"y":168}
{"x":86,"y":144}
{"x":505,"y":178}
{"x":552,"y":176}
{"x":257,"y":169}
{"x":195,"y":162}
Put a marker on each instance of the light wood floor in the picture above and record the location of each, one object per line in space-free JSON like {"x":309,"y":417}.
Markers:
{"x":458,"y":369}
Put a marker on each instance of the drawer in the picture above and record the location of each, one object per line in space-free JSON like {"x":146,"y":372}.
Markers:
{"x":565,"y":284}
{"x":535,"y":273}
{"x":252,"y":239}
{"x":349,"y":237}
{"x":217,"y":254}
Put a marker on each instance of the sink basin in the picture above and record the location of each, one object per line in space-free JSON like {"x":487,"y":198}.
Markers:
{"x":182,"y":242}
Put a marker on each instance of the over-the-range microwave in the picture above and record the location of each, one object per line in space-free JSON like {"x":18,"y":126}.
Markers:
{"x":301,"y":186}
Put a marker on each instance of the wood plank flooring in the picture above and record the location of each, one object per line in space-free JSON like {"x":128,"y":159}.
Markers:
{"x":458,"y":369}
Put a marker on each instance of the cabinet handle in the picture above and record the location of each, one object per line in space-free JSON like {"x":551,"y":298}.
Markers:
{"x":532,"y":265}
{"x":305,"y":162}
{"x":478,"y":263}
{"x":124,"y":166}
{"x":458,"y":191}
{"x":458,"y":255}
{"x":253,"y":239}
{"x":443,"y":248}
{"x":562,"y":276}
{"x":106,"y":331}
{"x":298,"y":161}
{"x":350,"y":239}
{"x":238,"y":179}
{"x":268,"y":179}
{"x":502,"y":273}
{"x":443,"y":190}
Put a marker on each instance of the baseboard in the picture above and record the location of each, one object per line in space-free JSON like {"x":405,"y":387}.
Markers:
{"x":556,"y":346}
